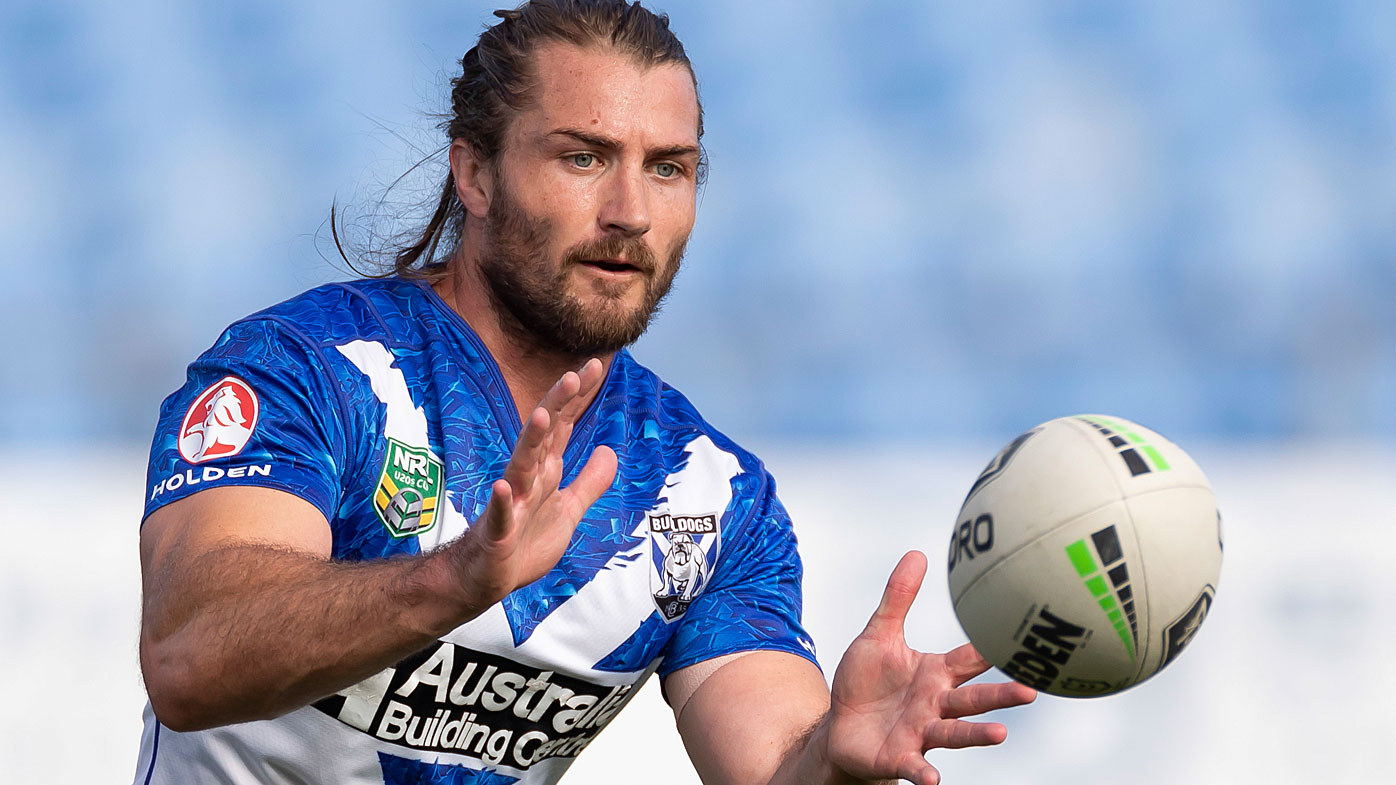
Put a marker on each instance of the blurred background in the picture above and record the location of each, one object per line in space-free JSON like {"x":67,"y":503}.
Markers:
{"x":928,"y":227}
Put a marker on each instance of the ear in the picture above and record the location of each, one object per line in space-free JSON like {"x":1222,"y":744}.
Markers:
{"x":472,"y":176}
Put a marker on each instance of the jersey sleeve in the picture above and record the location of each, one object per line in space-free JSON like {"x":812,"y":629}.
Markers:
{"x":755,"y":600}
{"x":257,"y":408}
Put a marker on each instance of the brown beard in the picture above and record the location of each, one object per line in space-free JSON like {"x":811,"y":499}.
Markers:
{"x":529,"y":292}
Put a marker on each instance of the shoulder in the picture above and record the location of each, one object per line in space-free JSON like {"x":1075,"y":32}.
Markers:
{"x":336,"y":313}
{"x":393,"y":312}
{"x":289,"y":348}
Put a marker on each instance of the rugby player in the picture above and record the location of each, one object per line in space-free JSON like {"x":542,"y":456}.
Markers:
{"x":439,"y":525}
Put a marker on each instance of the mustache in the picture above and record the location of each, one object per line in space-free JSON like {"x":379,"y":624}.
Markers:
{"x":632,"y":249}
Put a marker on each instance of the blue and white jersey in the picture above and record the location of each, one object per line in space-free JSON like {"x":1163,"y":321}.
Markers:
{"x":375,"y":402}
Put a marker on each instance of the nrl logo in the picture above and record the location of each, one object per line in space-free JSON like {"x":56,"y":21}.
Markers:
{"x":409,"y":489}
{"x":684,"y":548}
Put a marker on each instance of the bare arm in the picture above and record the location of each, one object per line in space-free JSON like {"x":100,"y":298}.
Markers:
{"x":245,"y":617}
{"x":767,"y":718}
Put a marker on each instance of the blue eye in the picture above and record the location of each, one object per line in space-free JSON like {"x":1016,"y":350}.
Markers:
{"x":666,"y":170}
{"x":583,"y":160}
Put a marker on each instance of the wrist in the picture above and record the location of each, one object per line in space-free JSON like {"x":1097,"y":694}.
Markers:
{"x":455,"y":576}
{"x":436,"y":593}
{"x":815,"y":761}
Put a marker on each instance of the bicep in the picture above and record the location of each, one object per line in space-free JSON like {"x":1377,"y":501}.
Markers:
{"x":174,"y":537}
{"x":739,"y":721}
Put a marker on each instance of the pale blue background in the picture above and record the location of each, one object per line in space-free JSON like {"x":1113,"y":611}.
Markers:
{"x":935,"y":223}
{"x":924,"y":219}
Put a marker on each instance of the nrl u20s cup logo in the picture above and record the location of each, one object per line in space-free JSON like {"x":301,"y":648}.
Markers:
{"x":684,"y":548}
{"x":409,"y":489}
{"x":219,"y":422}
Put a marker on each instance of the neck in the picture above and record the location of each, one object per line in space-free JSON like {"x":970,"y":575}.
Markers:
{"x":529,"y":369}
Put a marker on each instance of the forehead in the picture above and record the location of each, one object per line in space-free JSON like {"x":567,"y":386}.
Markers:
{"x":607,"y":92}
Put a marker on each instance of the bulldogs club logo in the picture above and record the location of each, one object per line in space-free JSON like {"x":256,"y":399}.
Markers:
{"x":684,"y":548}
{"x":219,"y":422}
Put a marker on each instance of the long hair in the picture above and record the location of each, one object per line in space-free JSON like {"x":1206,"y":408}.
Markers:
{"x":495,"y":82}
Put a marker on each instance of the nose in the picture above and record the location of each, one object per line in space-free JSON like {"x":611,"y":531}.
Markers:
{"x":626,"y":208}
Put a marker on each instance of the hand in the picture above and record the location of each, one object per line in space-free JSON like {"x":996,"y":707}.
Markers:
{"x":891,"y":704}
{"x":529,"y":519}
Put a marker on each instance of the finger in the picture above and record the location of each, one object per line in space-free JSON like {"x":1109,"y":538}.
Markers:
{"x":980,"y":698}
{"x":920,"y":771}
{"x":562,"y":391}
{"x":562,"y":399}
{"x":555,"y":402}
{"x":964,"y":663}
{"x":594,"y":479}
{"x":589,"y":378}
{"x":591,"y":374}
{"x":902,"y":586}
{"x":958,"y":734}
{"x":529,"y":451}
{"x":498,"y":515}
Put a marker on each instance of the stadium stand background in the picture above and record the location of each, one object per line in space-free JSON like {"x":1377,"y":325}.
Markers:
{"x":928,"y":227}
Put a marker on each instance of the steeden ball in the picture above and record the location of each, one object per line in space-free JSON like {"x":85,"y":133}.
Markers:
{"x":1086,"y":556}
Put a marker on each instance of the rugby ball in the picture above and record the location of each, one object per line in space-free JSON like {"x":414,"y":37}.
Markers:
{"x":1086,"y":556}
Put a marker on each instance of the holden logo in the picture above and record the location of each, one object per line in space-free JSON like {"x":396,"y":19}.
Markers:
{"x":219,"y":422}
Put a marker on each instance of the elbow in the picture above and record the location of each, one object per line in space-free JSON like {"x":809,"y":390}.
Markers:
{"x":176,"y":715}
{"x":176,"y":693}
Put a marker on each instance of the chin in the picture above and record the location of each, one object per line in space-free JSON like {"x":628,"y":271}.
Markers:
{"x":609,"y":311}
{"x":609,"y":298}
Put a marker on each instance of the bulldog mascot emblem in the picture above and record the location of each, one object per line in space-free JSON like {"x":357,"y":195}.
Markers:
{"x":684,"y":548}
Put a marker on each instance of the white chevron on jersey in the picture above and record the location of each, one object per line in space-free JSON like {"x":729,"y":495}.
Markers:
{"x":703,"y":486}
{"x":404,"y":421}
{"x":570,"y":637}
{"x":619,"y":593}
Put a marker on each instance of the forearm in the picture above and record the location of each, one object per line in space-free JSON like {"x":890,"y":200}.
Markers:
{"x":888,"y":706}
{"x":226,"y":647}
{"x":760,"y":718}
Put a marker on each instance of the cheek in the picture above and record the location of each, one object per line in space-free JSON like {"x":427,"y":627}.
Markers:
{"x":570,"y":210}
{"x":675,"y":209}
{"x":679,"y":225}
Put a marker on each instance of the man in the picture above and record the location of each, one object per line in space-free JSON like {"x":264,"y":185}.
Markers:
{"x":394,"y":568}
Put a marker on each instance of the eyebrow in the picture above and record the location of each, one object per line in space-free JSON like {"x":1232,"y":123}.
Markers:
{"x":607,"y":143}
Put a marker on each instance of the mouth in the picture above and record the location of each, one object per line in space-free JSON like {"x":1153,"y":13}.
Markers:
{"x":611,"y":266}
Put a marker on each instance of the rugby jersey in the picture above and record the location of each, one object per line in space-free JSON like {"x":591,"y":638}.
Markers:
{"x":376,"y":402}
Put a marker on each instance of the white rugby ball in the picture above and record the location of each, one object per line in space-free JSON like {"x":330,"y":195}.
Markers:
{"x":1085,"y":556}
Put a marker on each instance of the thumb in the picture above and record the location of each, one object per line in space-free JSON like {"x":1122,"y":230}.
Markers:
{"x":498,"y":515}
{"x":902,"y":587}
{"x":594,"y":479}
